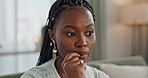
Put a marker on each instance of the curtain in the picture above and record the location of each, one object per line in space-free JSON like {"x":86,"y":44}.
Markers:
{"x":98,"y":6}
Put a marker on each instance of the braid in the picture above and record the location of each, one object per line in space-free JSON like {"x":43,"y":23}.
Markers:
{"x":56,"y":9}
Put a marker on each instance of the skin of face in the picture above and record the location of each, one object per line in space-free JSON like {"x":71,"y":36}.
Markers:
{"x":74,"y":32}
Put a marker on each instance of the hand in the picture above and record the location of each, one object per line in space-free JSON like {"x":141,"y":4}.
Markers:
{"x":73,"y":67}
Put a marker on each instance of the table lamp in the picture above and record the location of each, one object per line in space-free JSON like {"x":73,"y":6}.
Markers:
{"x":135,"y":15}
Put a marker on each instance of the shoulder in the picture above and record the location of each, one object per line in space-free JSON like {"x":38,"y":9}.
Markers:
{"x":91,"y":71}
{"x":43,"y":71}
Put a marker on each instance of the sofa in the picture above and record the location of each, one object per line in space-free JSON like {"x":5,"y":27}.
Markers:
{"x":123,"y":67}
{"x":115,"y":66}
{"x":128,"y":60}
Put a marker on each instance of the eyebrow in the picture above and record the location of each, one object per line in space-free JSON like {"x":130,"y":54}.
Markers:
{"x":71,"y":26}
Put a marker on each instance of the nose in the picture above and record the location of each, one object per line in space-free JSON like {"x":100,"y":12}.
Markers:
{"x":81,"y":42}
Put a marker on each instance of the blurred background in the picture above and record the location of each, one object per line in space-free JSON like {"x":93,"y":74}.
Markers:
{"x":21,"y":22}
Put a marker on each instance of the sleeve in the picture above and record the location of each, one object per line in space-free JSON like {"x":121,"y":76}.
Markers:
{"x":35,"y":73}
{"x":27,"y":76}
{"x":102,"y":75}
{"x":95,"y":73}
{"x":31,"y":74}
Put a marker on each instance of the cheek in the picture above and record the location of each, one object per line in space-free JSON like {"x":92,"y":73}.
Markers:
{"x":91,"y":48}
{"x":64,"y":47}
{"x":91,"y":45}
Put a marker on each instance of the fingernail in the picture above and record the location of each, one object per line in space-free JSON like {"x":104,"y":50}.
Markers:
{"x":81,"y":61}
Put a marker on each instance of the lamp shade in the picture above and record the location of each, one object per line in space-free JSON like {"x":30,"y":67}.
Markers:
{"x":135,"y":13}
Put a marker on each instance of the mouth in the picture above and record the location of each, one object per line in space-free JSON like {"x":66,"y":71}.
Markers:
{"x":82,"y":54}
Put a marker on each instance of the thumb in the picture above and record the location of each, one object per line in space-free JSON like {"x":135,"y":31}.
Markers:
{"x":82,"y":65}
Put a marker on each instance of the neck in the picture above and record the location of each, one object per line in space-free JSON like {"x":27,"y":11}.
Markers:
{"x":59,"y":68}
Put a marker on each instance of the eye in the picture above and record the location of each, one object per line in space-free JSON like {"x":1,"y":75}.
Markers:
{"x":89,"y":33}
{"x":70,"y":34}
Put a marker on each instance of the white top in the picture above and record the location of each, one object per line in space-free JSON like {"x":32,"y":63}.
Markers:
{"x":48,"y":70}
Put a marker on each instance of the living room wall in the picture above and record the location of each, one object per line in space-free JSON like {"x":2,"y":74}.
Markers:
{"x":113,"y":38}
{"x":116,"y":38}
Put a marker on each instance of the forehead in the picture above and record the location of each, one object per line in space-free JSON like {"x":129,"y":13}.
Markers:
{"x":75,"y":16}
{"x":75,"y":10}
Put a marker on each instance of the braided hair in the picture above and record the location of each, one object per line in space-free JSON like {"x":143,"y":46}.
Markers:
{"x":56,"y":9}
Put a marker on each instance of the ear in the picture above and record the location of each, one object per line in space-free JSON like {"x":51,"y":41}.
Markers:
{"x":51,"y":34}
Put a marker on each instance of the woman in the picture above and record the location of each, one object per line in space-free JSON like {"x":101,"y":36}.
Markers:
{"x":70,"y":36}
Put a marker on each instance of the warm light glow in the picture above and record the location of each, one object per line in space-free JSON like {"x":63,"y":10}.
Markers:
{"x":136,"y":13}
{"x":123,"y":2}
{"x":36,"y":39}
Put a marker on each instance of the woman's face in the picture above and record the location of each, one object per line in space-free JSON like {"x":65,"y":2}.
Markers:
{"x":74,"y":32}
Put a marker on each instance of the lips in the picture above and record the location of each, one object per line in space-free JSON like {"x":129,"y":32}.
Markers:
{"x":82,"y":55}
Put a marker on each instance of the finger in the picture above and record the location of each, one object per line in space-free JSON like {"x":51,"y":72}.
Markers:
{"x":78,"y":62}
{"x":82,"y":64}
{"x":81,"y":61}
{"x":73,"y":59}
{"x":69,"y":56}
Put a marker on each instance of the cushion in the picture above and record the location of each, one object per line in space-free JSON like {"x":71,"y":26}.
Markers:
{"x":129,"y":60}
{"x":124,"y":71}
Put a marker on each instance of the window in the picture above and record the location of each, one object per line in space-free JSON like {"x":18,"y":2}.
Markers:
{"x":21,"y":23}
{"x":20,"y":29}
